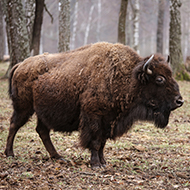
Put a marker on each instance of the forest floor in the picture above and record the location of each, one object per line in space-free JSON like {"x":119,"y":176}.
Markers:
{"x":144,"y":158}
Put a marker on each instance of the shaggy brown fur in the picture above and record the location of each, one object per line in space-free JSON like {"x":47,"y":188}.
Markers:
{"x":100,"y":90}
{"x":29,"y":70}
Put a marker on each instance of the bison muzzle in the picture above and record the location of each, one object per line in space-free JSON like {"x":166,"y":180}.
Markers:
{"x":100,"y":90}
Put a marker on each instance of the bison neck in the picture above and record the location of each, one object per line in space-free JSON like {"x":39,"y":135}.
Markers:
{"x":127,"y":118}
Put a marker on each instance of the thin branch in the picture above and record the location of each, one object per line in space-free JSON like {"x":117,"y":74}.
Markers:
{"x":51,"y":16}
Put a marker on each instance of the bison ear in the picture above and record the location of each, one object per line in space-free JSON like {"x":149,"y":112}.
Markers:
{"x":140,"y":75}
{"x":143,"y":77}
{"x":147,"y":65}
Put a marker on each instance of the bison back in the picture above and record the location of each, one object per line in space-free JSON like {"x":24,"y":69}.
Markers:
{"x":94,"y":80}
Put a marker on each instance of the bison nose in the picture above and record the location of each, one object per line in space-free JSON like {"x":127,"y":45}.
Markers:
{"x":179,"y":101}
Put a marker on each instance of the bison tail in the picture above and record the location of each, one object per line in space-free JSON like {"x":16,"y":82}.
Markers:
{"x":10,"y":78}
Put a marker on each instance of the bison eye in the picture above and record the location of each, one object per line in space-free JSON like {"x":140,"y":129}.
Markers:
{"x":160,"y":80}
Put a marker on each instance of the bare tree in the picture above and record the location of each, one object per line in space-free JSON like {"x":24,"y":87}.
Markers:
{"x":122,"y":21}
{"x":175,"y":35}
{"x":2,"y":41}
{"x":74,"y":25}
{"x":29,"y":11}
{"x":129,"y":25}
{"x":36,"y":33}
{"x":175,"y":41}
{"x":88,"y":25}
{"x":136,"y":26}
{"x":185,"y":15}
{"x":160,"y":26}
{"x":64,"y":25}
{"x":17,"y":35}
{"x":99,"y":20}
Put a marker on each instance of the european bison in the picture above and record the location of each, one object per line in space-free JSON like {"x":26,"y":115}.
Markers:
{"x":99,"y":90}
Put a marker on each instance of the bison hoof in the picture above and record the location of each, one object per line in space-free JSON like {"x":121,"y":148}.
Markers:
{"x":9,"y":154}
{"x":63,"y":162}
{"x":98,"y":166}
{"x":57,"y":157}
{"x":104,"y":165}
{"x":60,"y":159}
{"x":95,"y":168}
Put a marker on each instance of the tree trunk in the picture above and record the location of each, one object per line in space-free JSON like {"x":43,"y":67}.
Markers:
{"x":122,"y":22}
{"x":29,"y":8}
{"x":136,"y":26}
{"x":175,"y":35}
{"x":186,"y":35}
{"x":74,"y":25}
{"x":99,"y":20}
{"x":64,"y":25}
{"x":17,"y":35}
{"x":2,"y":41}
{"x":36,"y":34}
{"x":88,"y":25}
{"x":175,"y":42}
{"x":160,"y":26}
{"x":129,"y":25}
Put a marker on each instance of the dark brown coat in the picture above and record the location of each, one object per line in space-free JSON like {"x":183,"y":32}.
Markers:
{"x":100,"y":90}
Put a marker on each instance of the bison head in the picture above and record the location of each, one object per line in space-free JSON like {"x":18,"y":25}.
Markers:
{"x":156,"y":91}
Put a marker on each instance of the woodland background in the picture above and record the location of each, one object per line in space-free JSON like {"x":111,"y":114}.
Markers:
{"x":145,"y":157}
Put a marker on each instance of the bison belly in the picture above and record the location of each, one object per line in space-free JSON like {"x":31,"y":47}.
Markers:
{"x":56,"y":106}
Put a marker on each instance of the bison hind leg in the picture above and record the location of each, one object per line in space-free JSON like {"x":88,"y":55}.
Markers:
{"x":18,"y":119}
{"x":43,"y":132}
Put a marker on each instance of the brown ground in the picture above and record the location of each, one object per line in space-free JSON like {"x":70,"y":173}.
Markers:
{"x":145,"y":158}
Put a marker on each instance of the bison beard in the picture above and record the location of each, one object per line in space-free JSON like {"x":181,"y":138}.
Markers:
{"x":101,"y":90}
{"x":141,"y":113}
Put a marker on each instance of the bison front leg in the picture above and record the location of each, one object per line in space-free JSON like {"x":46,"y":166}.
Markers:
{"x":92,"y":140}
{"x":95,"y":159}
{"x":91,"y":137}
{"x":43,"y":132}
{"x":101,"y":153}
{"x":97,"y":154}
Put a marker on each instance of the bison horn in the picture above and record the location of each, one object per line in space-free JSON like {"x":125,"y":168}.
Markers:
{"x":168,"y":59}
{"x":146,"y":66}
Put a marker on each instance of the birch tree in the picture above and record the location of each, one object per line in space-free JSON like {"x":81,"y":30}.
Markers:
{"x":129,"y":26}
{"x":88,"y":25}
{"x":64,"y":25}
{"x":75,"y":22}
{"x":136,"y":26}
{"x":122,"y":21}
{"x":99,"y":19}
{"x":160,"y":26}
